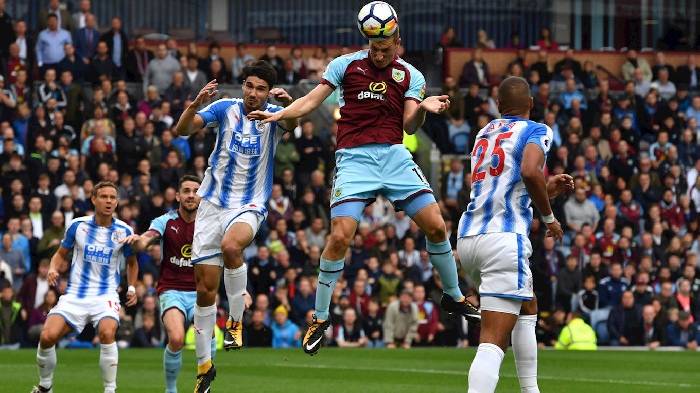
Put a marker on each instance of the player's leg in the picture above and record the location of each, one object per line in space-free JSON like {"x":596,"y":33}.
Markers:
{"x":524,"y":342}
{"x":174,"y":323}
{"x":426,"y":213}
{"x":109,"y":355}
{"x":331,"y":267}
{"x":55,"y":328}
{"x":496,"y":327}
{"x":207,"y":274}
{"x":237,"y":237}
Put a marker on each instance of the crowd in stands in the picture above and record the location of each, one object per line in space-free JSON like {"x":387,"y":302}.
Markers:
{"x":68,"y":120}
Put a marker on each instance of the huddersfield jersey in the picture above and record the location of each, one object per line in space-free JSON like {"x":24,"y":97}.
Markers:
{"x":97,"y":256}
{"x":499,"y":200}
{"x":176,"y":271}
{"x":242,"y":164}
{"x":371,"y":99}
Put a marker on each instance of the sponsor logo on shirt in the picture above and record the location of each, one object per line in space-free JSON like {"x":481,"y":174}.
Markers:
{"x":100,"y":255}
{"x":247,"y":144}
{"x":376,"y":91}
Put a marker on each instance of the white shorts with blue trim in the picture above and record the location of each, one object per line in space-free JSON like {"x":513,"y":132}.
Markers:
{"x":498,"y":263}
{"x":211,"y":225}
{"x":79,"y":312}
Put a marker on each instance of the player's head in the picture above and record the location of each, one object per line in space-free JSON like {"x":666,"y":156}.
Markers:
{"x":104,"y":197}
{"x":514,"y":97}
{"x":258,"y":79}
{"x":383,"y":52}
{"x":186,"y":195}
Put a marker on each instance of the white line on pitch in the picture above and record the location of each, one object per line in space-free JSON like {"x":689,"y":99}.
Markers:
{"x":464,"y":373}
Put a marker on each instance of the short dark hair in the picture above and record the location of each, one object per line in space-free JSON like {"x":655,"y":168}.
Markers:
{"x":263,"y":70}
{"x":192,"y":56}
{"x":51,"y":15}
{"x":188,"y":178}
{"x":103,"y":184}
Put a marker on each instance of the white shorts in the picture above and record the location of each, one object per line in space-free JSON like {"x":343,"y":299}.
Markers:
{"x":91,"y":309}
{"x":498,"y":264}
{"x":211,"y":224}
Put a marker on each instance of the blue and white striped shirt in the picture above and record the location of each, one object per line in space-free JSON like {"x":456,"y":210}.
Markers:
{"x":242,"y":164}
{"x":97,"y":256}
{"x":499,"y":200}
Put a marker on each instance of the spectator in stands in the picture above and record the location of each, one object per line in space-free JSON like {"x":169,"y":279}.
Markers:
{"x":49,"y":46}
{"x":273,"y":58}
{"x":568,"y":283}
{"x":569,"y":62}
{"x":684,"y":332}
{"x":217,"y":70}
{"x":285,"y":334}
{"x":610,"y":288}
{"x":240,"y":59}
{"x":10,"y":318}
{"x":653,"y":331}
{"x":64,"y":19}
{"x":137,"y":60}
{"x":195,"y":79}
{"x":303,"y":301}
{"x":451,"y":185}
{"x":37,"y":317}
{"x":428,"y":318}
{"x":310,"y":151}
{"x":318,"y":61}
{"x":475,"y":71}
{"x":177,"y":93}
{"x":641,"y":85}
{"x":160,"y":70}
{"x":49,"y":242}
{"x":633,"y":62}
{"x":12,"y":64}
{"x":289,"y":76}
{"x":298,"y":62}
{"x":80,"y":17}
{"x":7,"y":102}
{"x":73,"y":63}
{"x":257,"y":333}
{"x":572,"y":94}
{"x":449,"y":39}
{"x":401,"y":322}
{"x":102,"y":67}
{"x":579,"y":210}
{"x":663,"y":85}
{"x":26,"y":44}
{"x":545,"y":41}
{"x":117,"y":42}
{"x":7,"y":35}
{"x":688,"y":75}
{"x":483,"y":41}
{"x":86,"y":39}
{"x":350,"y":332}
{"x":661,"y":62}
{"x":148,"y":335}
{"x":213,"y":53}
{"x":625,"y":322}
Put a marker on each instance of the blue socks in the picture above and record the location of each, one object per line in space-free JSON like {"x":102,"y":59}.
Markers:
{"x":330,"y":272}
{"x":172,"y":363}
{"x":441,"y":257}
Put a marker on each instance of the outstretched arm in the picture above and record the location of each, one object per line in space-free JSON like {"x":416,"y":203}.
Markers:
{"x":140,"y":242}
{"x":298,"y":108}
{"x":190,"y":120}
{"x":414,"y":113}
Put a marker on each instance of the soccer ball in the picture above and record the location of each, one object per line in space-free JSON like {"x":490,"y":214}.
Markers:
{"x":377,"y":20}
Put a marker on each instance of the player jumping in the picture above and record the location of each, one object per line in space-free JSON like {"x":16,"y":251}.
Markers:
{"x":176,"y":287}
{"x":236,"y":187}
{"x":493,"y":246}
{"x":92,"y":295}
{"x":380,"y":96}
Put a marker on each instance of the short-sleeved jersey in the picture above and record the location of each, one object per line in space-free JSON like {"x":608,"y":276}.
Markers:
{"x":499,"y":200}
{"x":371,"y":100}
{"x":241,"y":166}
{"x":176,"y":271}
{"x":97,"y":256}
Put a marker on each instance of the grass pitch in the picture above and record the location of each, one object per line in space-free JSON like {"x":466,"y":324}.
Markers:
{"x":339,"y":371}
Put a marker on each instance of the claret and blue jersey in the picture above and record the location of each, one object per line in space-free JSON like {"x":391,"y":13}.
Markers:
{"x":242,"y":164}
{"x":98,"y":255}
{"x":499,"y":200}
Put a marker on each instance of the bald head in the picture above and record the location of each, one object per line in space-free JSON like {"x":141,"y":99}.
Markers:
{"x":514,"y":97}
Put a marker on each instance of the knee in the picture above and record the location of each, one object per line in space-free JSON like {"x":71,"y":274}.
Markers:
{"x":176,"y":341}
{"x":436,"y":233}
{"x":47,"y":339}
{"x":338,"y":242}
{"x":232,"y":252}
{"x":106,"y":336}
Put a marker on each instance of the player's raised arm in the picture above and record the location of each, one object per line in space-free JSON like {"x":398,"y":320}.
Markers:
{"x":189,"y":120}
{"x":282,"y":96}
{"x":298,"y":108}
{"x":141,"y":242}
{"x":414,"y":113}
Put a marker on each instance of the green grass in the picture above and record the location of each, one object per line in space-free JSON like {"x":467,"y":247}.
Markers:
{"x":366,"y":371}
